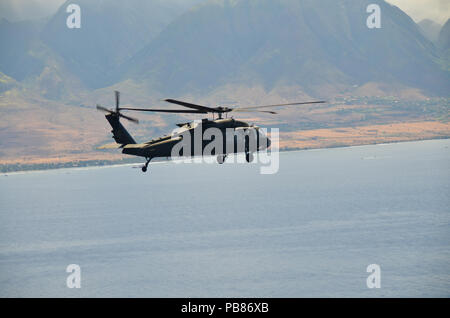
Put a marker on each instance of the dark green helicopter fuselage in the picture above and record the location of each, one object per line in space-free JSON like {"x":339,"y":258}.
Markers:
{"x":231,"y":131}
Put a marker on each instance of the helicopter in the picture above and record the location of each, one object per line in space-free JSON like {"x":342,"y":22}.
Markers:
{"x":250,"y":136}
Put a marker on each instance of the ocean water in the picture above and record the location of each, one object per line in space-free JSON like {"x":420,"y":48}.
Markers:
{"x":202,"y":230}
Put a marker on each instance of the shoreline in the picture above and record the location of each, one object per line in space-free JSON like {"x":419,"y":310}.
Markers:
{"x":93,"y":164}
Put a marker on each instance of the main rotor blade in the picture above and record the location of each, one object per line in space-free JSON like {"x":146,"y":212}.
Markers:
{"x":243,"y":110}
{"x":194,"y":106}
{"x":185,"y":111}
{"x":279,"y":105}
{"x":134,"y":120}
{"x":103,"y":109}
{"x":117,"y":93}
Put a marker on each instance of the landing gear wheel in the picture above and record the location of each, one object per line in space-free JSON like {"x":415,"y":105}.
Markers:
{"x":144,"y":167}
{"x":221,"y":158}
{"x":249,"y":157}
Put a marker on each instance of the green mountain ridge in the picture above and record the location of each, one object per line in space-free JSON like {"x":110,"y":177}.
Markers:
{"x":111,"y":32}
{"x":194,"y":47}
{"x":444,"y":36}
{"x":18,"y":41}
{"x":430,"y":29}
{"x":444,"y":45}
{"x":287,"y":42}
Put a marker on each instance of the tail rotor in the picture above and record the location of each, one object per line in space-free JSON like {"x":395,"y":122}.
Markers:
{"x":117,"y":110}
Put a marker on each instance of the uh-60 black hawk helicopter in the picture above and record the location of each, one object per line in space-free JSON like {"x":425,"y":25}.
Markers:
{"x":163,"y":146}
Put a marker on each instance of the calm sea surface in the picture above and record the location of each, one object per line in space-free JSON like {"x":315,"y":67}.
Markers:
{"x":202,"y":230}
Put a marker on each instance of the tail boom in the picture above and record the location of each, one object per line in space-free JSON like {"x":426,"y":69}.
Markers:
{"x":120,"y":134}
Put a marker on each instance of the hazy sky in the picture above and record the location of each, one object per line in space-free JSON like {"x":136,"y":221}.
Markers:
{"x":16,"y":10}
{"x":437,"y":10}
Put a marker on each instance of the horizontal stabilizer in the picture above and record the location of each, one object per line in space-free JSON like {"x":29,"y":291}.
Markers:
{"x":112,"y":145}
{"x":135,"y":146}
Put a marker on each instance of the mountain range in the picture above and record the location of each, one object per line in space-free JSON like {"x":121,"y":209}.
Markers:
{"x":212,"y":51}
{"x":307,"y":43}
{"x":182,"y":46}
{"x":430,"y":29}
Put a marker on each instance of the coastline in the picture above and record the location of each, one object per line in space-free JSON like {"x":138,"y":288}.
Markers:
{"x":41,"y":167}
